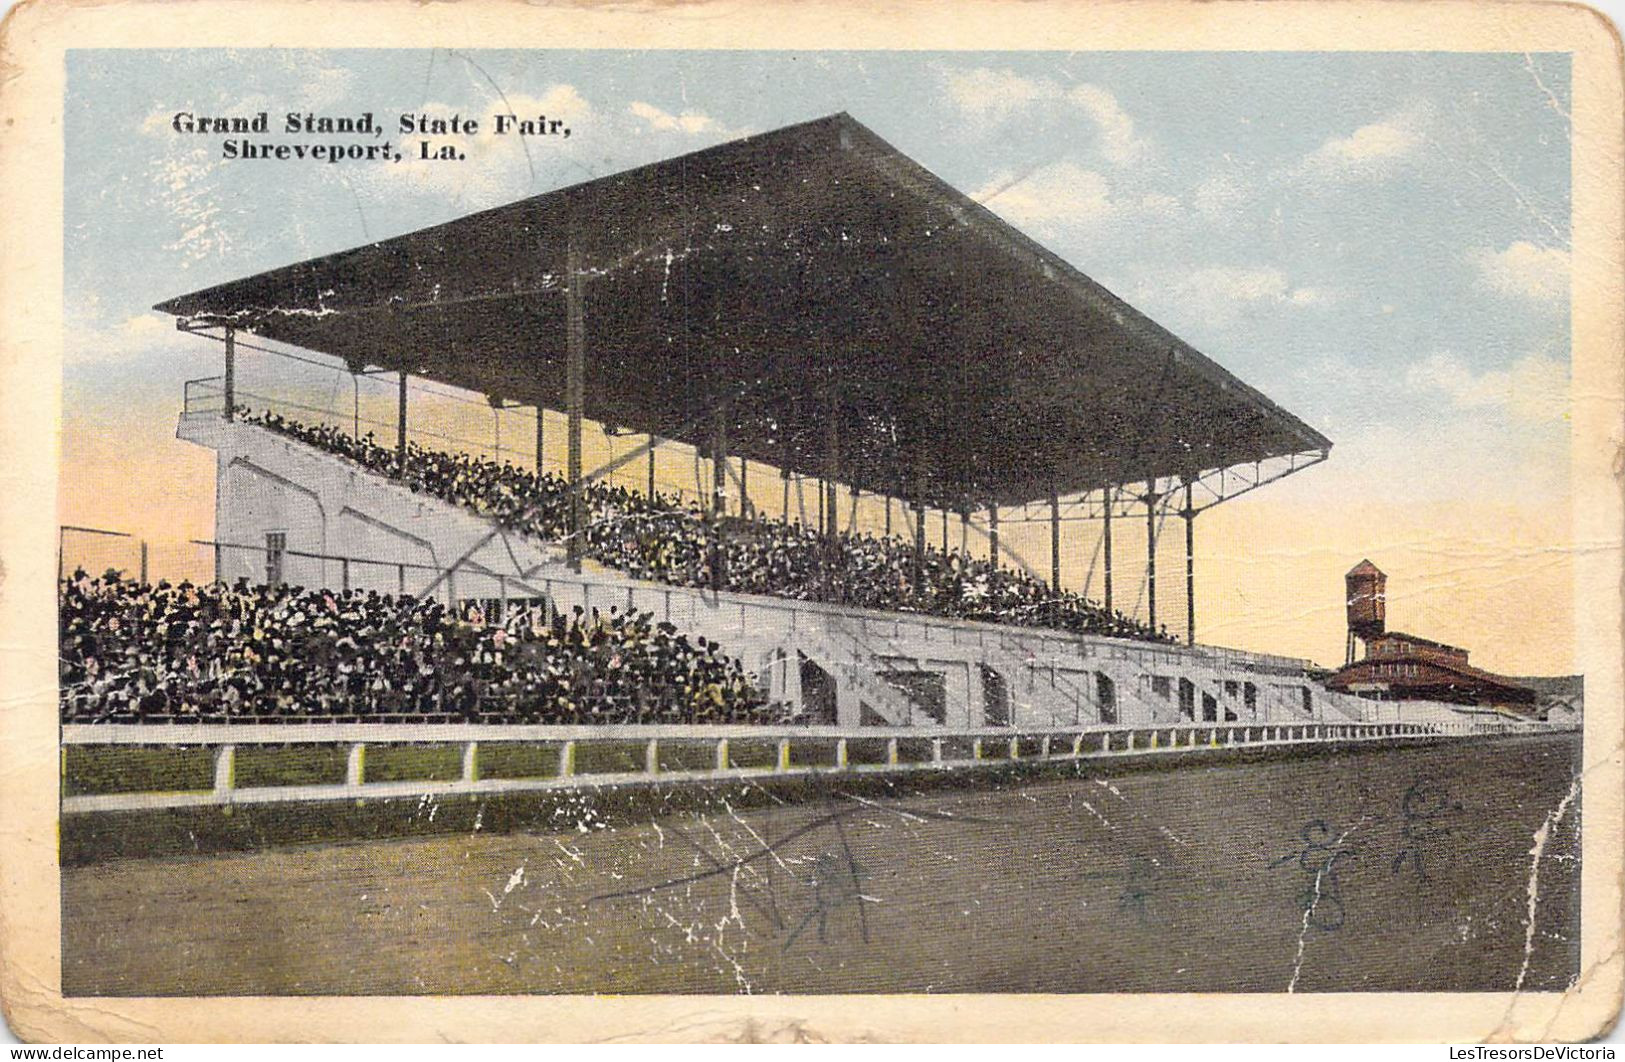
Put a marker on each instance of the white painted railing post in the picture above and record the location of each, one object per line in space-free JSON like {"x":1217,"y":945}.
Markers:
{"x":936,"y":750}
{"x":225,"y":771}
{"x":976,"y":748}
{"x":841,"y":758}
{"x":784,"y":755}
{"x":651,"y":757}
{"x":891,"y":752}
{"x":471,"y":762}
{"x":722,"y":754}
{"x":1015,"y":748}
{"x":567,"y":759}
{"x":355,"y":771}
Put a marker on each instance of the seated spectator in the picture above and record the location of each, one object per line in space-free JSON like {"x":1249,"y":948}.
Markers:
{"x":665,"y":540}
{"x":185,"y":652}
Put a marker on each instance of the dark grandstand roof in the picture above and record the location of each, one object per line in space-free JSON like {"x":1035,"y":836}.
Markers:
{"x":765,"y":269}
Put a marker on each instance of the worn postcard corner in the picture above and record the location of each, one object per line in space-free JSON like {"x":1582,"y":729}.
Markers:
{"x":548,"y":523}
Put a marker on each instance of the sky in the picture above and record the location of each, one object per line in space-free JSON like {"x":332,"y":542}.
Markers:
{"x":1380,"y":243}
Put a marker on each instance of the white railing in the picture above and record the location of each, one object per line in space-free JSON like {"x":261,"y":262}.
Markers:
{"x":813,"y":750}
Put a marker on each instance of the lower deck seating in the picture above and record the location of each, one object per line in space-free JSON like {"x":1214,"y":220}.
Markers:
{"x":131,"y":652}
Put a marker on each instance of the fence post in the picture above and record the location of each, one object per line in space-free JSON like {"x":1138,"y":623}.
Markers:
{"x":1015,"y":748}
{"x":784,"y":754}
{"x":841,"y":759}
{"x":891,"y":752}
{"x":936,"y":750}
{"x":567,"y":759}
{"x":471,"y":762}
{"x":722,"y":754}
{"x":651,"y":756}
{"x":355,"y":772}
{"x":225,"y":771}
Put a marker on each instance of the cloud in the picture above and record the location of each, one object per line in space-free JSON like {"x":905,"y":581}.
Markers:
{"x":1219,"y":195}
{"x":691,"y":123}
{"x":88,"y":340}
{"x":1535,"y":387}
{"x":1372,"y":151}
{"x":1118,"y":140}
{"x":993,"y":97}
{"x":996,"y":96}
{"x":1220,"y":294}
{"x":1524,"y":270}
{"x":1065,"y":194}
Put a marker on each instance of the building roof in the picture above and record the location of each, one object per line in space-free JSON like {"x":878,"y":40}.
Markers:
{"x":772,"y":272}
{"x":1460,"y":673}
{"x":1415,"y":639}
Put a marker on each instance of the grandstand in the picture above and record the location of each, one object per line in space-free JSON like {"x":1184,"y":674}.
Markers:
{"x":805,"y":304}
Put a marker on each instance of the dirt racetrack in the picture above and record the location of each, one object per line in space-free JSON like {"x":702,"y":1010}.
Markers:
{"x":1343,"y":870}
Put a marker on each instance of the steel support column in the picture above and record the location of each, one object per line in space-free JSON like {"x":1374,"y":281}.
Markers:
{"x":400,"y":426}
{"x":919,"y":543}
{"x":719,"y":494}
{"x":832,"y":462}
{"x":919,"y":523}
{"x":1189,"y":514}
{"x":653,"y":443}
{"x":1106,"y":544}
{"x":993,"y":535}
{"x":1054,"y":543}
{"x":1151,"y":553}
{"x":575,"y":388}
{"x":744,"y":486}
{"x":231,"y":373}
{"x":541,"y":441}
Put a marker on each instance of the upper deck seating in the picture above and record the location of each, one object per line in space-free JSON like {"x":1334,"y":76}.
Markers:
{"x":667,"y":540}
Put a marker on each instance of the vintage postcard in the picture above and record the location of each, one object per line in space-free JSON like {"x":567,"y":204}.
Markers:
{"x":977,"y":521}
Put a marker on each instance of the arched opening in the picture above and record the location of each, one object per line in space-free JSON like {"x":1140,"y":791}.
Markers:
{"x":817,"y":693}
{"x":1106,"y":697}
{"x":995,"y":697}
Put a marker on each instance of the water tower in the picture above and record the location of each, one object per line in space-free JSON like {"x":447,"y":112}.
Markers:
{"x":1368,"y":603}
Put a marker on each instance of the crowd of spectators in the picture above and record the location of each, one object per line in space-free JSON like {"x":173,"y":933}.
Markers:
{"x":215,"y":652}
{"x":668,"y":540}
